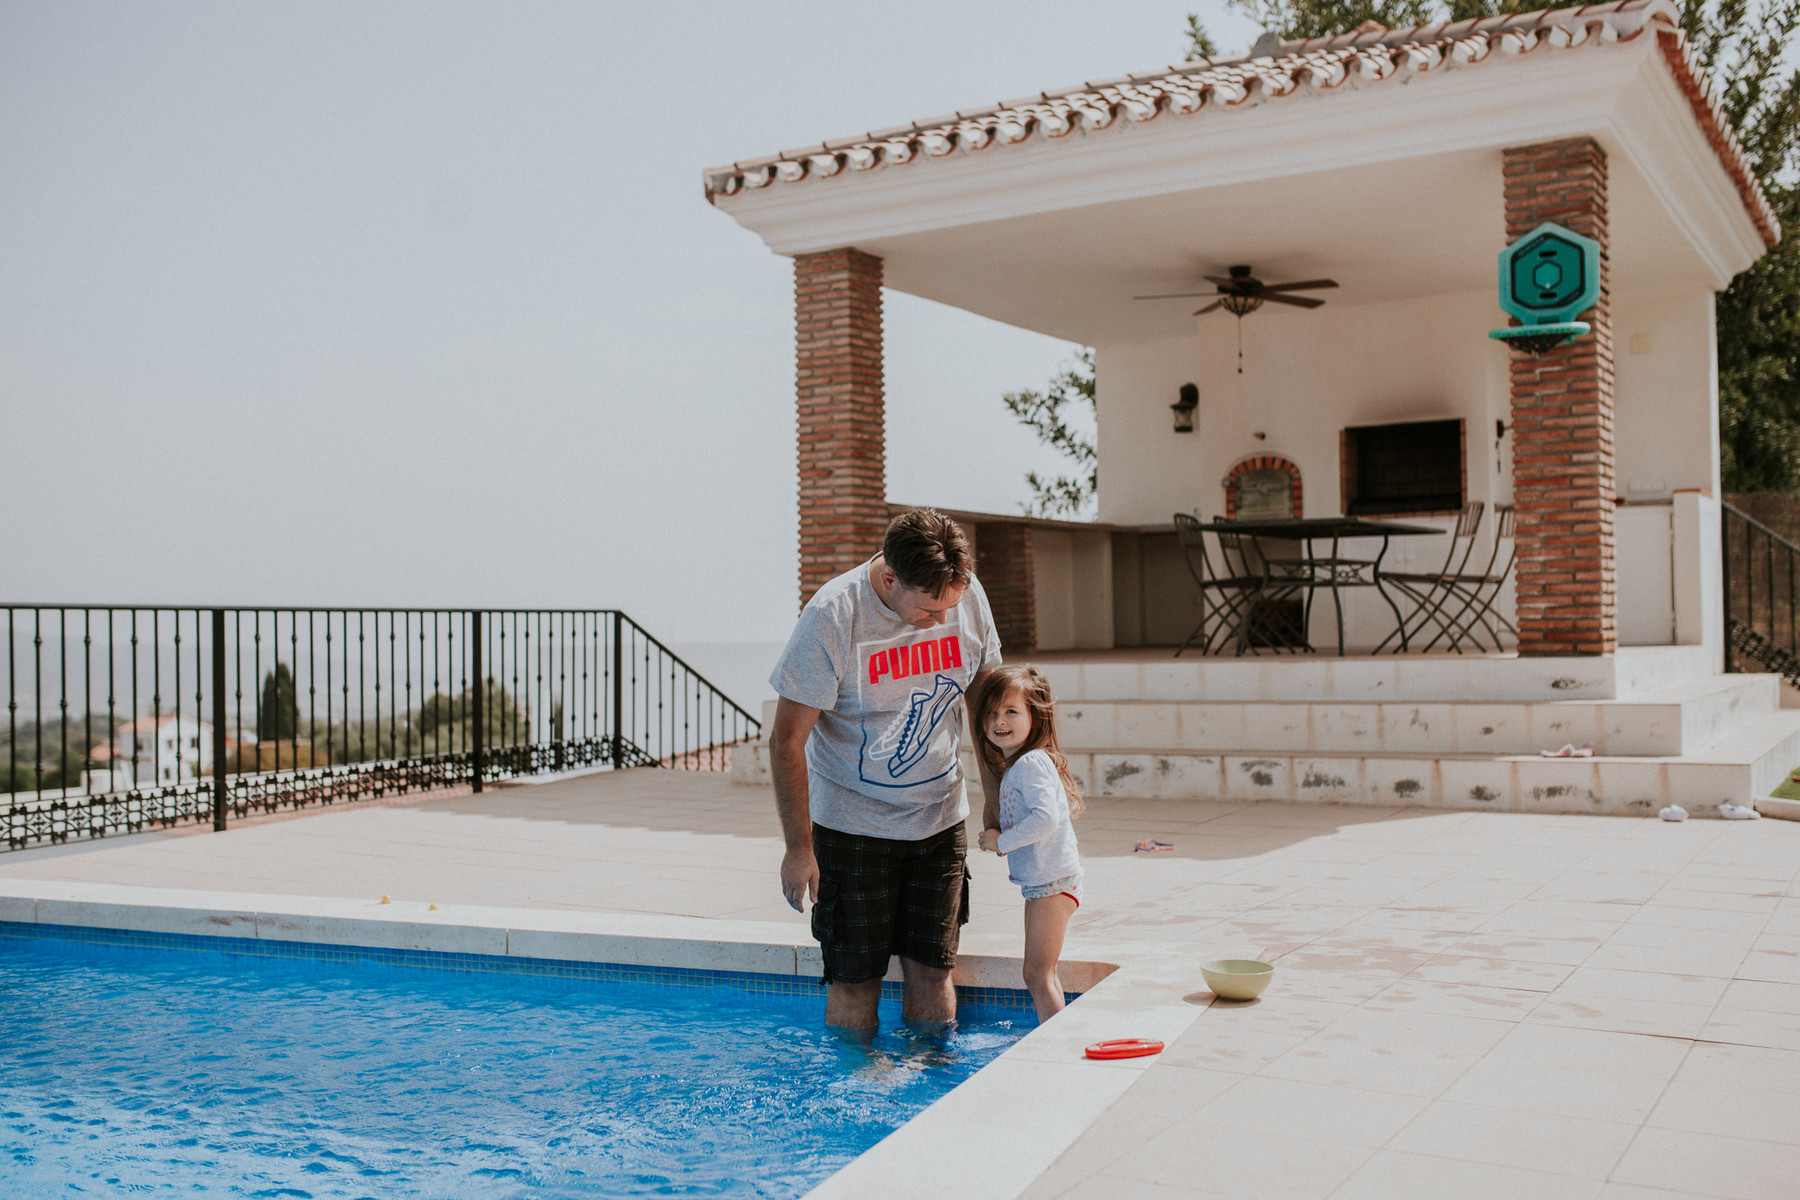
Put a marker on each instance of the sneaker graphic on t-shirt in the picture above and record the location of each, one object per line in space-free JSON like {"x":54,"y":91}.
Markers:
{"x":923,"y":715}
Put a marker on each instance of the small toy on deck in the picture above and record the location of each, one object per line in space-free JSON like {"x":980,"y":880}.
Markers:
{"x":1124,"y":1048}
{"x":1673,"y":813}
{"x":1739,"y":812}
{"x":1151,"y":846}
{"x":1237,"y":978}
{"x":1570,"y":750}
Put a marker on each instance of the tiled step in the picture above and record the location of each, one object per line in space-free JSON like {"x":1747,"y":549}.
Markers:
{"x":1436,"y":678}
{"x":1682,"y":719}
{"x":1741,"y":768}
{"x":1696,"y":742}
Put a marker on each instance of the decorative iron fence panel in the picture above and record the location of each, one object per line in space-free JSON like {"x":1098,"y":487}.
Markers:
{"x":126,"y":718}
{"x":1762,"y":619}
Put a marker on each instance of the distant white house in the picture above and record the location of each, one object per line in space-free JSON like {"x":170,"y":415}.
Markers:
{"x":152,"y":752}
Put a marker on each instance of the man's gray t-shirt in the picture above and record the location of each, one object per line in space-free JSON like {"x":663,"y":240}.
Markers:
{"x":881,"y":760}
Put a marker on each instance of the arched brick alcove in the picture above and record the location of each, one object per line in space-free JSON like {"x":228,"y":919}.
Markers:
{"x":1258,"y":463}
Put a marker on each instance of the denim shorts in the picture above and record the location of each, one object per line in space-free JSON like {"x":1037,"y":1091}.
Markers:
{"x":1069,"y":885}
{"x":879,"y":897}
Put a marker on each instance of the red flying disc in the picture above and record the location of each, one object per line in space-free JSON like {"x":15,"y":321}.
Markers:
{"x":1125,"y":1048}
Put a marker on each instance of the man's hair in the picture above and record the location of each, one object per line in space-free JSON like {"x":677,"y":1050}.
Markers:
{"x":927,"y":551}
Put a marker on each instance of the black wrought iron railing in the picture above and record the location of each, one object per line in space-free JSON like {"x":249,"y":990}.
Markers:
{"x":125,"y":718}
{"x":1762,"y":620}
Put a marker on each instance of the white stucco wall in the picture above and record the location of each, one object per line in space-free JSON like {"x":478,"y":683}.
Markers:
{"x":1665,"y":393}
{"x":1072,"y":587}
{"x":1643,"y":538}
{"x":1307,"y":375}
{"x":1699,"y":572}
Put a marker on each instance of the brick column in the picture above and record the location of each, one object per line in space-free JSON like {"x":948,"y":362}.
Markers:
{"x":1003,"y":564}
{"x":1562,"y":423}
{"x":843,"y":484}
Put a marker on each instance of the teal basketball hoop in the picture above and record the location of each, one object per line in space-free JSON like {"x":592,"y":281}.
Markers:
{"x":1547,"y":278}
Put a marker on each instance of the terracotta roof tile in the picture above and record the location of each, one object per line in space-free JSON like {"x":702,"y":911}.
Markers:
{"x":1316,"y":65}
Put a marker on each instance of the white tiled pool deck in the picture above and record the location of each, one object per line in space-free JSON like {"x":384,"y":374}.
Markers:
{"x":1466,"y":1005}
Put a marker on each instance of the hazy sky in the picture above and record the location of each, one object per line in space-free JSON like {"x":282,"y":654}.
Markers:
{"x":317,"y":303}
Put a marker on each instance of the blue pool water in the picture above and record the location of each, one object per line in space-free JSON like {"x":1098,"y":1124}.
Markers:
{"x":160,"y":1071}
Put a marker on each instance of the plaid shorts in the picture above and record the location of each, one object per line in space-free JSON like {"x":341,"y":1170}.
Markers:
{"x":879,"y":897}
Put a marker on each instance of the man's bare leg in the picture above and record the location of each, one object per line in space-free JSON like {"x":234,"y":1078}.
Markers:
{"x":930,"y":995}
{"x":852,"y":1007}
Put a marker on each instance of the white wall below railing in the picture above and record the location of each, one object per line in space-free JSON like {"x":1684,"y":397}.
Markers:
{"x":1073,"y":589}
{"x":1669,"y":572}
{"x":1644,"y":555}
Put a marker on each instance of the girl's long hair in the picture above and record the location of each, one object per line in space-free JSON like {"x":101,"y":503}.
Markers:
{"x":1030,"y":683}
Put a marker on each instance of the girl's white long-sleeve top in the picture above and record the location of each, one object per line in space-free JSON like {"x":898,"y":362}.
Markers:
{"x":1036,"y":834}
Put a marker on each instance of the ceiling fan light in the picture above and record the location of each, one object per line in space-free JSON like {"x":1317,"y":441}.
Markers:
{"x":1239,"y":306}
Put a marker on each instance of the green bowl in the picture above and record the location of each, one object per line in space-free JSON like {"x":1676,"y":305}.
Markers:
{"x":1237,"y":978}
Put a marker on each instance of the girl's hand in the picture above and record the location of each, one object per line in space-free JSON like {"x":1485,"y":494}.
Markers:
{"x":990,"y":841}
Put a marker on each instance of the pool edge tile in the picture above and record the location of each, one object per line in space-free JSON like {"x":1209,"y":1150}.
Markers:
{"x":760,"y":958}
{"x":461,"y":961}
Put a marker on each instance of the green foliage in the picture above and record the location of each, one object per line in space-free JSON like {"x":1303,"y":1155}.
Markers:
{"x":1200,"y":44}
{"x":1758,"y":315}
{"x":22,"y":776}
{"x":278,"y":715}
{"x":1293,"y":20}
{"x":1047,"y":414}
{"x":25,"y":744}
{"x":1759,"y":368}
{"x":443,"y":720}
{"x":1464,"y":10}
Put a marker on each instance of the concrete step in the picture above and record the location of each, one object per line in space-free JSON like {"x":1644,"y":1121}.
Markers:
{"x":1494,"y":678}
{"x":1741,"y":768}
{"x":1682,"y":718}
{"x":1786,"y":810}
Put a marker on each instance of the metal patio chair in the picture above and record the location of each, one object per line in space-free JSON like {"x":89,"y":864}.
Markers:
{"x":1226,"y":588}
{"x":1240,"y":604}
{"x":1476,"y":595}
{"x":1431,"y":591}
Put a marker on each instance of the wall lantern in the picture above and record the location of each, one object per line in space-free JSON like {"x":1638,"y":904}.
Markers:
{"x":1184,"y":408}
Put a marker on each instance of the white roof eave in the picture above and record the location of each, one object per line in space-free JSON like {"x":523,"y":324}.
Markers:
{"x":1623,"y":95}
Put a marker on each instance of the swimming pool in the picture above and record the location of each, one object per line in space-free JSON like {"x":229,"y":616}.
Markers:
{"x":165,"y":1066}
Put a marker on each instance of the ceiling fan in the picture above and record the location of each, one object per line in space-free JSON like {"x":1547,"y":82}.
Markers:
{"x":1241,"y":293}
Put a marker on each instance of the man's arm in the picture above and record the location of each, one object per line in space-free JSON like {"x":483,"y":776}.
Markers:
{"x":990,"y":783}
{"x":787,"y":763}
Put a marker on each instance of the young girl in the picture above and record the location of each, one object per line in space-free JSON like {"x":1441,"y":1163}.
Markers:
{"x":1038,"y":798}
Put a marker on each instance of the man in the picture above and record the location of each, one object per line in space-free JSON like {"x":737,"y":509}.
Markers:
{"x":864,"y":755}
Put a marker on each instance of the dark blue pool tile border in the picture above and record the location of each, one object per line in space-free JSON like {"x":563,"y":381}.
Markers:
{"x":478,"y":964}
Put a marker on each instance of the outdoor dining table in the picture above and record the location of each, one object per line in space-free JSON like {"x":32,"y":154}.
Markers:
{"x":1284,"y":576}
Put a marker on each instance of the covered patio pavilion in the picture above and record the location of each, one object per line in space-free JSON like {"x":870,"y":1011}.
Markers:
{"x":1397,"y":164}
